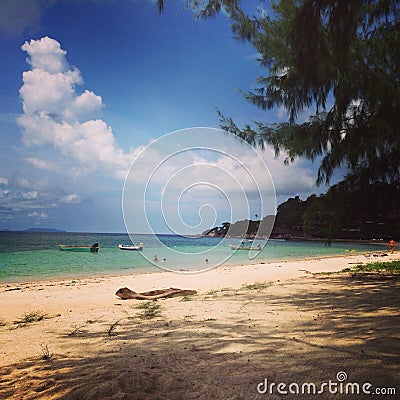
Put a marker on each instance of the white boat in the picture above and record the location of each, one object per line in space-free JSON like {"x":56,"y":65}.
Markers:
{"x":130,"y":247}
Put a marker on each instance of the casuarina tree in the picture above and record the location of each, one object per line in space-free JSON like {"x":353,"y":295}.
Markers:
{"x":334,"y":66}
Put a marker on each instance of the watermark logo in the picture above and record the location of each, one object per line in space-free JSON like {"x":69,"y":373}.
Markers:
{"x":338,"y":386}
{"x":341,"y":376}
{"x":190,"y":181}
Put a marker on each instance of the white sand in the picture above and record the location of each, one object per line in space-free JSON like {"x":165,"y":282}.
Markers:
{"x":87,"y":293}
{"x":220,"y":344}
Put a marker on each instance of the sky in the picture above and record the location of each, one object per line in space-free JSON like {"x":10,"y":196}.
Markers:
{"x":89,"y":87}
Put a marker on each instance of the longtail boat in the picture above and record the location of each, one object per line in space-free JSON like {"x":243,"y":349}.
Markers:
{"x":94,"y":248}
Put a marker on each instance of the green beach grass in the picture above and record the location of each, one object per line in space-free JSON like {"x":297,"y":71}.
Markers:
{"x":392,"y":267}
{"x":380,"y":266}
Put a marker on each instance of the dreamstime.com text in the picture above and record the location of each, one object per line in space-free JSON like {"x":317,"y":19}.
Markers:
{"x":340,"y":386}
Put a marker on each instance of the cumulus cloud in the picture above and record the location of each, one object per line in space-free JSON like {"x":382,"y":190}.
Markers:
{"x":46,"y":54}
{"x":57,"y":114}
{"x":3,"y":181}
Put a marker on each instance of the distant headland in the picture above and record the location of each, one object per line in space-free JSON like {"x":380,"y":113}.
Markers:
{"x":375,"y":216}
{"x":33,"y":230}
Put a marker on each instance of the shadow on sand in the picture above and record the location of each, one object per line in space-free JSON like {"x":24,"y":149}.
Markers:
{"x":300,"y":331}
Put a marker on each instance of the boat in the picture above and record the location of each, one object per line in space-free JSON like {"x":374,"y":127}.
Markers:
{"x":94,"y":248}
{"x":130,"y":247}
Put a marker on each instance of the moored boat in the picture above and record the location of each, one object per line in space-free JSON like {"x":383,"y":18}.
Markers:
{"x":131,"y":247}
{"x":94,"y":248}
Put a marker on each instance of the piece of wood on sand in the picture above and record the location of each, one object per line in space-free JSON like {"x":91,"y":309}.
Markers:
{"x":126,"y":293}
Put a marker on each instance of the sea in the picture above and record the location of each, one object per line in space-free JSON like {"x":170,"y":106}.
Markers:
{"x":34,"y":256}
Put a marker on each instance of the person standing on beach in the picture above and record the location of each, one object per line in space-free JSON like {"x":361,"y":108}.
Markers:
{"x":391,"y":245}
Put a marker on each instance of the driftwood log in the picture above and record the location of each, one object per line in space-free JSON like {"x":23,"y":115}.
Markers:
{"x":126,"y":293}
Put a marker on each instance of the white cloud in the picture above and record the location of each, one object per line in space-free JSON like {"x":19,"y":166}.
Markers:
{"x":236,"y":170}
{"x":30,"y":195}
{"x":37,"y":215}
{"x":56,"y":114}
{"x":288,"y":179}
{"x":49,"y":93}
{"x":22,"y":195}
{"x":71,"y":199}
{"x":282,"y":113}
{"x":47,"y":55}
{"x":3,"y":181}
{"x":41,"y":164}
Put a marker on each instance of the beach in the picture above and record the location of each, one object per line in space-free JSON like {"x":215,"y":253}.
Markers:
{"x":247,"y":327}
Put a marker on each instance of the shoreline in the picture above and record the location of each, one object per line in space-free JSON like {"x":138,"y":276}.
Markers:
{"x":157,"y":269}
{"x":361,"y":258}
{"x":15,"y":296}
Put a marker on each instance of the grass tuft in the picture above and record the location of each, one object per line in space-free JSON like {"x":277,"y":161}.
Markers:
{"x":46,"y":355}
{"x":379,"y":266}
{"x":149,"y":310}
{"x":256,"y":286}
{"x":187,"y":298}
{"x":30,"y":317}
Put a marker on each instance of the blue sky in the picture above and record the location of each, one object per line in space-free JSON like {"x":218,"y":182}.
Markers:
{"x":86,"y":85}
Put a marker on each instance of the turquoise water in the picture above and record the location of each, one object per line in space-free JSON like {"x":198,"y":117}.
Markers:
{"x":27,"y":256}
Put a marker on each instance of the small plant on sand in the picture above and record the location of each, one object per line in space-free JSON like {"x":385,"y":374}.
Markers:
{"x":150,"y":309}
{"x":328,"y":272}
{"x":227,"y":289}
{"x":46,"y":355}
{"x":187,"y":298}
{"x":93,"y":321}
{"x":224,"y":292}
{"x":30,"y":317}
{"x":111,"y":329}
{"x":256,"y":286}
{"x":77,"y":330}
